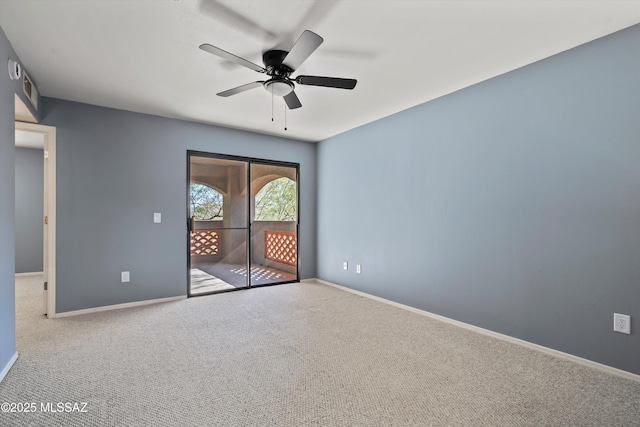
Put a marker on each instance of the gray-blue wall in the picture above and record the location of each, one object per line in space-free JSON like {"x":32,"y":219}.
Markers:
{"x":114,"y":170}
{"x":8,"y":89}
{"x":513,"y":205}
{"x":29,"y":171}
{"x":7,"y":253}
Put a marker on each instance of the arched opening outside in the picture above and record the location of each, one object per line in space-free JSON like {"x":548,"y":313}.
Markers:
{"x":207,"y":204}
{"x":277,"y":201}
{"x":275,"y":208}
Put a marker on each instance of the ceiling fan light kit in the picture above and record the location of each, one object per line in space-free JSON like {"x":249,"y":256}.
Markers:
{"x":279,"y":65}
{"x":278,"y":86}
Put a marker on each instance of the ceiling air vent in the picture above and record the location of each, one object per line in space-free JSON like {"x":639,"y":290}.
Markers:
{"x":30,"y":90}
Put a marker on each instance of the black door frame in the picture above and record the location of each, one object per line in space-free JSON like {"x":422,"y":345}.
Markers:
{"x":249,"y":161}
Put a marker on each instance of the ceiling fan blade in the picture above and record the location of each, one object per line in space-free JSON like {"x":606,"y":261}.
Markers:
{"x":240,"y":89}
{"x":227,"y":16}
{"x":315,"y":15}
{"x":231,"y":57}
{"x":303,"y":47}
{"x":292,"y":100}
{"x":327,"y":82}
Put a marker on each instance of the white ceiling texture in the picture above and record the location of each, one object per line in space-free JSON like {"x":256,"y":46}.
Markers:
{"x":143,"y":55}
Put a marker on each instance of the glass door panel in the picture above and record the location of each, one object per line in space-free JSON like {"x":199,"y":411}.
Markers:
{"x":218,"y":226}
{"x":274,"y":223}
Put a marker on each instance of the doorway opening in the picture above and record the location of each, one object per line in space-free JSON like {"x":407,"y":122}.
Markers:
{"x":46,"y":136}
{"x":242,"y":222}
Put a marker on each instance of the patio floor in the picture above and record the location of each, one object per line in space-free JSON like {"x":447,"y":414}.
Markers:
{"x":211,"y":276}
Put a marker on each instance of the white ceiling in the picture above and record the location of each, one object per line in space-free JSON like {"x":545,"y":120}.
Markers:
{"x":142,"y":55}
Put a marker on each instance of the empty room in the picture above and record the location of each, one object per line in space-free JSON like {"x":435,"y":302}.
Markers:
{"x":320,"y":212}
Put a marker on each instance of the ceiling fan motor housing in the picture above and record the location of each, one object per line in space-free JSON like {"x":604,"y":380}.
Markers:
{"x":272,"y":60}
{"x":279,"y":84}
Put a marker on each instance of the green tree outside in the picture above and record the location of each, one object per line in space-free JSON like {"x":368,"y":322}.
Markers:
{"x":277,"y":201}
{"x":206,"y":203}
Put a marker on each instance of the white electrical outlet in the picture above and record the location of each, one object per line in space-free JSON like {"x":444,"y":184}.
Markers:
{"x":345,"y":265}
{"x":358,"y":269}
{"x":622,"y":323}
{"x":157,"y":218}
{"x":124,"y":276}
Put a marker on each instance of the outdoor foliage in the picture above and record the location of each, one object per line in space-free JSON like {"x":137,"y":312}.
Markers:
{"x":277,"y":201}
{"x":206,"y":203}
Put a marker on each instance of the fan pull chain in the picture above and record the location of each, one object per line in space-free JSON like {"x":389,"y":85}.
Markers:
{"x":271,"y":103}
{"x":285,"y":116}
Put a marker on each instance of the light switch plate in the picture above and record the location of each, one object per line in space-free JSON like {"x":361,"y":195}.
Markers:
{"x":124,"y":276}
{"x":157,"y":218}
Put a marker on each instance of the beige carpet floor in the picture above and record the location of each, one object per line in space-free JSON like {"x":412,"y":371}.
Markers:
{"x":293,"y":355}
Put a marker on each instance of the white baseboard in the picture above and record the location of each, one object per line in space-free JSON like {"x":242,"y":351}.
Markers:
{"x":538,"y":347}
{"x":8,"y":366}
{"x":119,"y":306}
{"x":35,"y":273}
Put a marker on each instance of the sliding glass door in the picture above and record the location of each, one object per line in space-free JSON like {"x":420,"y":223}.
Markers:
{"x":274,"y":223}
{"x":242,"y":223}
{"x":218,"y":227}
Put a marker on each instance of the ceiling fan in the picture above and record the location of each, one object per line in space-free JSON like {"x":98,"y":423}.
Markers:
{"x":279,"y":65}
